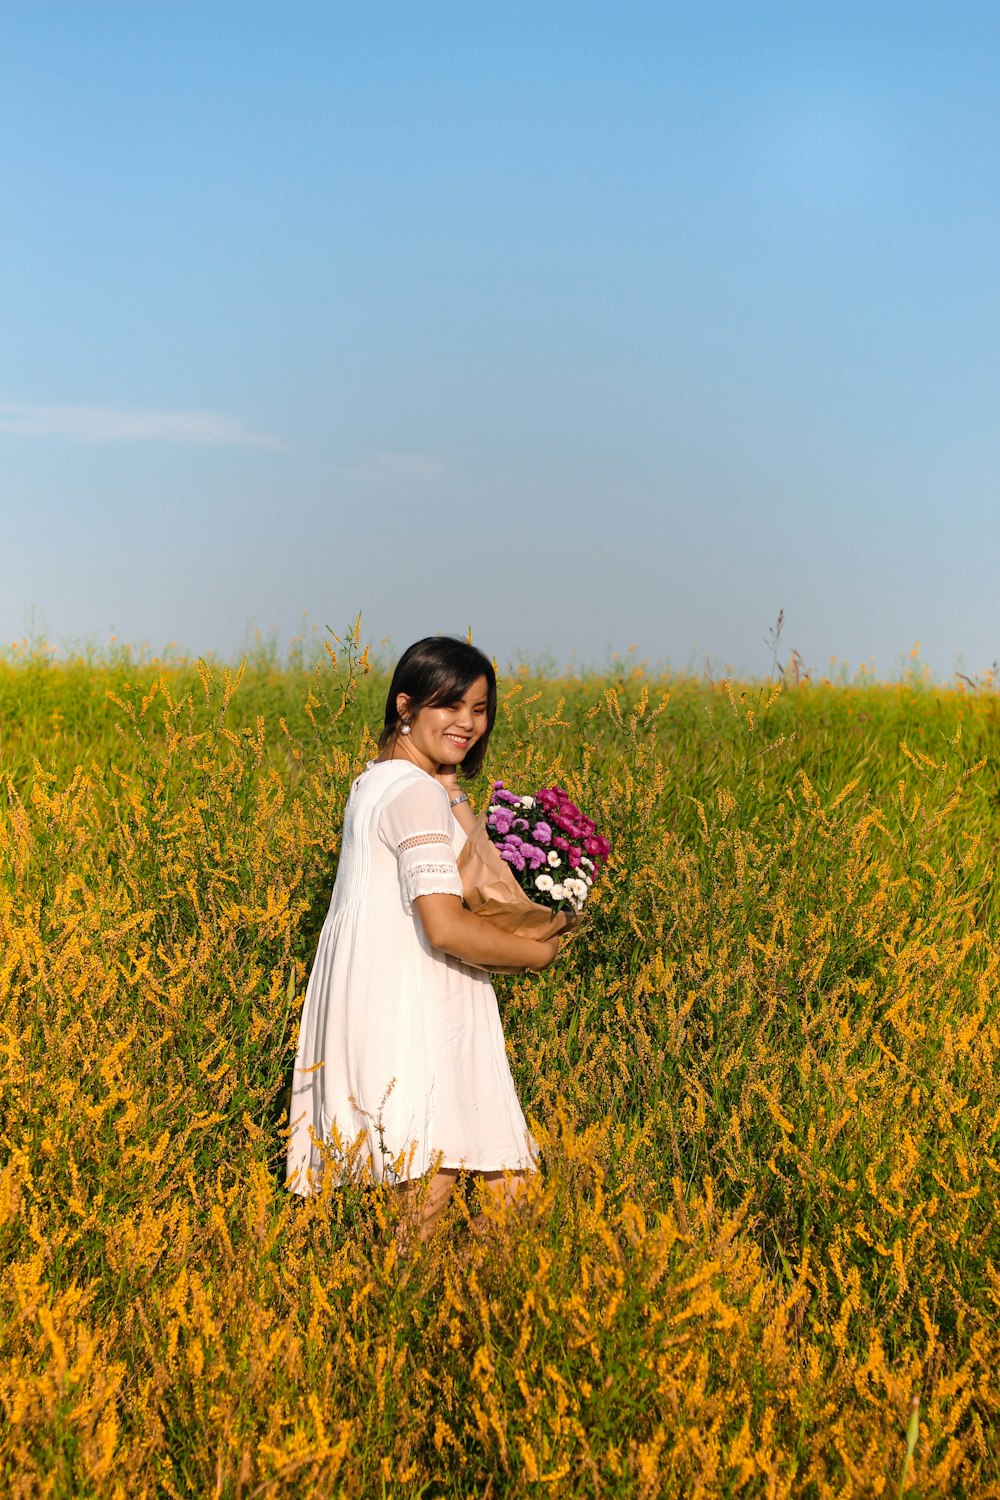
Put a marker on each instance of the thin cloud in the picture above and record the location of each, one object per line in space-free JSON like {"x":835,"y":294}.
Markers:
{"x":419,"y":468}
{"x":115,"y":424}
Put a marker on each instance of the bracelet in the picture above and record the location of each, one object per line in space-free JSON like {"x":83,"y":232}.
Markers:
{"x":456,"y":800}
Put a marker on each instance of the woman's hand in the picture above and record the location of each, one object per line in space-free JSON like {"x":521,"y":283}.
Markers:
{"x":462,"y":811}
{"x":548,"y":950}
{"x":448,"y":777}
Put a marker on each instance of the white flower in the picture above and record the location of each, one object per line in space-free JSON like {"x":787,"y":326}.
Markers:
{"x":554,"y":859}
{"x":588,"y":864}
{"x":544,"y":882}
{"x":558,"y":893}
{"x":527,"y":801}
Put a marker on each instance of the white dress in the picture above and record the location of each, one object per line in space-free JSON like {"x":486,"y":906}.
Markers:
{"x":399,"y":1043}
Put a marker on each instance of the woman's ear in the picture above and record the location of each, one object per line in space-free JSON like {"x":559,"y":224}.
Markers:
{"x":402,"y":705}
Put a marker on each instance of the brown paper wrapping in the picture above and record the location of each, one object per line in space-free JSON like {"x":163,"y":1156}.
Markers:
{"x":490,"y":889}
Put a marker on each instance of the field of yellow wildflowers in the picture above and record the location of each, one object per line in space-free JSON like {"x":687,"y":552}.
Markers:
{"x":763,"y":1258}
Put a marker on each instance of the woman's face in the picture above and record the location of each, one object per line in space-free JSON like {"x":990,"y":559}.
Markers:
{"x":444,"y":735}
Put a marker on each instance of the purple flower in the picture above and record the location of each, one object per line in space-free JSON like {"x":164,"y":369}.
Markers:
{"x":513,"y":857}
{"x":543,"y":833}
{"x":536,"y":857}
{"x":521,"y":823}
{"x":500,"y":795}
{"x":502,"y":820}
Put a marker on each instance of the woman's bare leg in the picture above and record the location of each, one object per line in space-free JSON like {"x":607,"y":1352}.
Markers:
{"x":435,"y":1200}
{"x":439,"y":1191}
{"x":505,"y":1187}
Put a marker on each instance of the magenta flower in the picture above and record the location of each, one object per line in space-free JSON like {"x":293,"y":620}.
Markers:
{"x":598,"y":848}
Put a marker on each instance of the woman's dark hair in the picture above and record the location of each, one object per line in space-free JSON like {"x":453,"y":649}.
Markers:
{"x":437,"y":671}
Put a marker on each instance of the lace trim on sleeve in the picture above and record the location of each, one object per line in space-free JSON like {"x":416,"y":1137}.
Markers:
{"x":427,"y":867}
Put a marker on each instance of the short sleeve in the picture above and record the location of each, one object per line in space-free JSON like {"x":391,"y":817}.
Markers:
{"x":418,"y":827}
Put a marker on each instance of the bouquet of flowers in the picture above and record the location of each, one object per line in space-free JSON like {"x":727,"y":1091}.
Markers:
{"x":530,"y":862}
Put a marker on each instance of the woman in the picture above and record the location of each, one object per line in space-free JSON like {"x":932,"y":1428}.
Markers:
{"x":400,"y":1045}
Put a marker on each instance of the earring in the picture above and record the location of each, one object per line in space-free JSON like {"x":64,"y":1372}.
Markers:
{"x":406,"y":728}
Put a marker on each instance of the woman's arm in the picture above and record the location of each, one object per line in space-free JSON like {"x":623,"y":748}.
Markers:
{"x":454,"y":929}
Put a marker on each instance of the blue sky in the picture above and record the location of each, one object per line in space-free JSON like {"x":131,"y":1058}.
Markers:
{"x":582,"y":324}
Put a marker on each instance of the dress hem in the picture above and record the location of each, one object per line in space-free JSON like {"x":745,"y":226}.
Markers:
{"x":446,"y":1166}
